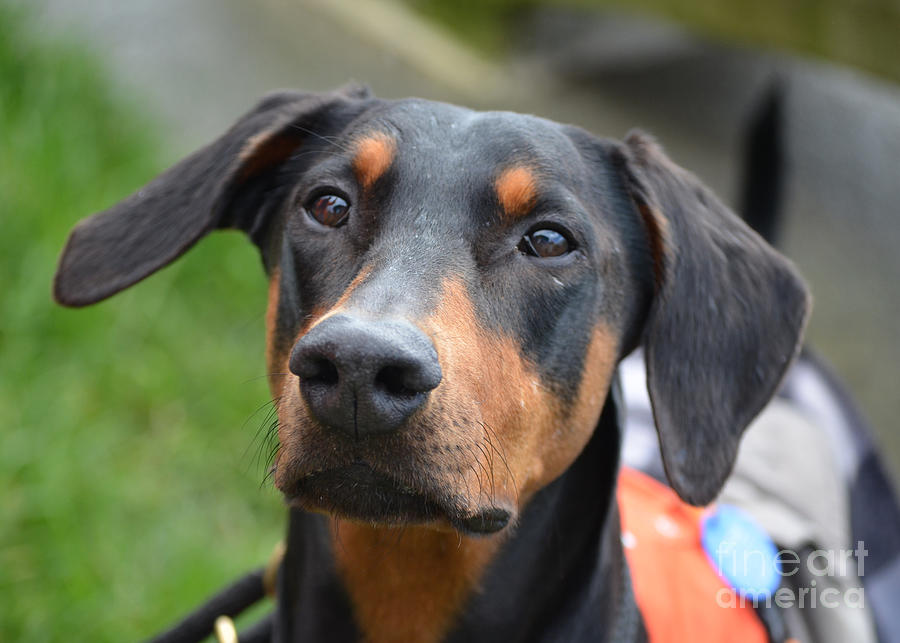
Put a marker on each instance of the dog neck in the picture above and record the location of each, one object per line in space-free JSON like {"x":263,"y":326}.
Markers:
{"x":408,"y":584}
{"x":560,"y":574}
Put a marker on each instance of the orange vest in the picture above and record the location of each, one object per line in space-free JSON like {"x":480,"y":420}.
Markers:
{"x":675,"y":583}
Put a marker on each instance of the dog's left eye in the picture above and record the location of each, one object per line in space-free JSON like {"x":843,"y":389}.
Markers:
{"x":329,"y":210}
{"x":545,"y":243}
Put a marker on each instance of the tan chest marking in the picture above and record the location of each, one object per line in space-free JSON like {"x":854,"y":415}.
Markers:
{"x":407,"y":585}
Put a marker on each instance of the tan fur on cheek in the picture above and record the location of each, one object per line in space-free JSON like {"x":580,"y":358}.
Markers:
{"x":274,"y":352}
{"x":571,"y":432}
{"x":374,"y":155}
{"x":531,"y":435}
{"x":492,"y":387}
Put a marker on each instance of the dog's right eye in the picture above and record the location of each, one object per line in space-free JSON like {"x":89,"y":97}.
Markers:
{"x":544,"y":243}
{"x":329,"y":210}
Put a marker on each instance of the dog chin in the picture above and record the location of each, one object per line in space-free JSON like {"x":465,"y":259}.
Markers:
{"x":357,"y":492}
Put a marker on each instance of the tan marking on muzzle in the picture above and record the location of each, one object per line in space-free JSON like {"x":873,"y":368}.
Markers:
{"x":489,"y":384}
{"x":569,"y":436}
{"x":339,"y":306}
{"x":487,"y":379}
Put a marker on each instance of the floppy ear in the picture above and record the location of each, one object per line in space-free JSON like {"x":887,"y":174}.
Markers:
{"x":219,"y":186}
{"x":725,"y":322}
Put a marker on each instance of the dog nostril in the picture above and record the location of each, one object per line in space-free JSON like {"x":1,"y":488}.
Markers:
{"x":321,"y":371}
{"x":364,"y":377}
{"x":391,"y":379}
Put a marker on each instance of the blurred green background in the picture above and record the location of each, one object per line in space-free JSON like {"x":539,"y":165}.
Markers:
{"x":133,"y":447}
{"x":129,"y":486}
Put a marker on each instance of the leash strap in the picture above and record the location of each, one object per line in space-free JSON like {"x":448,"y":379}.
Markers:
{"x":216,"y":614}
{"x":230,"y":602}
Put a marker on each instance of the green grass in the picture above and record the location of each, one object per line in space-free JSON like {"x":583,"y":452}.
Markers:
{"x":129,"y":482}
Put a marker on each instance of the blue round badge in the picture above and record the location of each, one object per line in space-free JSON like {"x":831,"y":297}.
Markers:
{"x":741,"y":552}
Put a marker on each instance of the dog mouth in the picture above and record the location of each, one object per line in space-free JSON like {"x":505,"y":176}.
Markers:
{"x":359,"y":492}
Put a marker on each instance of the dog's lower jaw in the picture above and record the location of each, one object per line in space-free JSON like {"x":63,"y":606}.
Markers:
{"x":360,"y":493}
{"x":407,"y":584}
{"x":407,"y":579}
{"x":559,"y":574}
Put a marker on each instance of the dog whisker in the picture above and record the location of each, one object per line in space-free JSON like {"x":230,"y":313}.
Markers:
{"x":488,"y":471}
{"x":500,"y":452}
{"x":327,"y":139}
{"x":272,"y":404}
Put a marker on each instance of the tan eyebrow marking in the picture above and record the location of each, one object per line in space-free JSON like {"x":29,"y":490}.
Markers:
{"x":516,"y":189}
{"x":374,"y":155}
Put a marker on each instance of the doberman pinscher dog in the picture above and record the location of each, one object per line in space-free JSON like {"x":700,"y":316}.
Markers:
{"x":450,"y":292}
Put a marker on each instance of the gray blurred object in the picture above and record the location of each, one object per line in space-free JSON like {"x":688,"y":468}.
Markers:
{"x":806,"y":475}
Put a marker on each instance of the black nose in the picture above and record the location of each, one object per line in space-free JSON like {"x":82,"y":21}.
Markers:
{"x":364,"y":377}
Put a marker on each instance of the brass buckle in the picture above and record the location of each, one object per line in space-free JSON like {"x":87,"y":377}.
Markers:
{"x":225,"y":630}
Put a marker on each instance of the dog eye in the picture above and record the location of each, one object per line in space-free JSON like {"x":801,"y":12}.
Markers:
{"x":544,"y":243}
{"x":329,"y":210}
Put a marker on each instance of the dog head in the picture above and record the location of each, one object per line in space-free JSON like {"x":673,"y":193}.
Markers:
{"x":450,"y":293}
